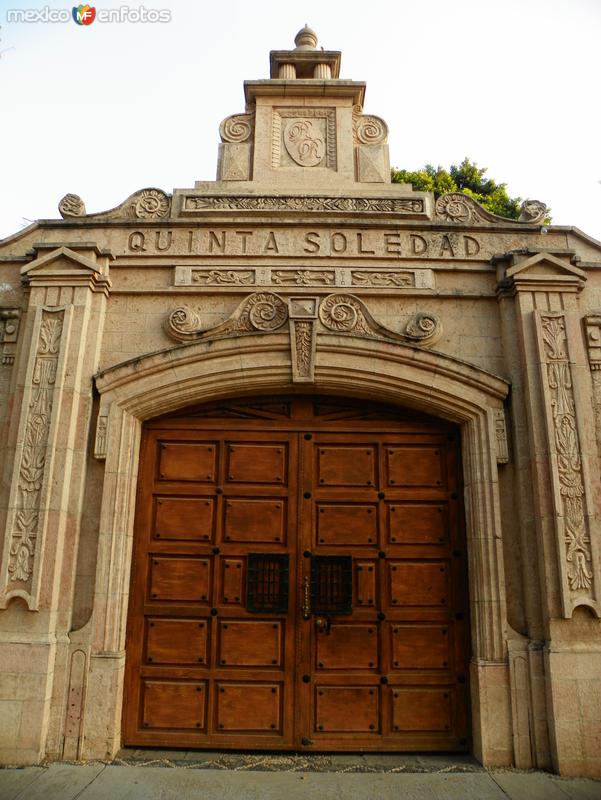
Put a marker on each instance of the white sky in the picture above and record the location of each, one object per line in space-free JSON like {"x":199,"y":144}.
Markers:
{"x":107,"y":109}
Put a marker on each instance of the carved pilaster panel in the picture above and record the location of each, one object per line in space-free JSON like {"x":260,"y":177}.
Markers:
{"x":501,"y":437}
{"x":26,"y":518}
{"x":577,"y":565}
{"x":592,"y":328}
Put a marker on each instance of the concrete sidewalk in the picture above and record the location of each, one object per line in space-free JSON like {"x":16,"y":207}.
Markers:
{"x":283,"y":778}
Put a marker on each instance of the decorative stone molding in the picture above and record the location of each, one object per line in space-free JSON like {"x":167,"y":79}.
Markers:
{"x":146,"y":204}
{"x":388,"y":282}
{"x":501,"y":436}
{"x":72,"y":206}
{"x":345,"y":205}
{"x":9,"y":331}
{"x":25,"y":522}
{"x":576,"y":563}
{"x":267,"y":312}
{"x":237,"y":128}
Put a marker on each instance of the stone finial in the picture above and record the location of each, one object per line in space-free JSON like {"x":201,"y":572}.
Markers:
{"x":306,"y":39}
{"x":533,"y":212}
{"x":72,"y":206}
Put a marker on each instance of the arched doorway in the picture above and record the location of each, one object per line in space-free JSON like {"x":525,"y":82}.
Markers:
{"x":299,"y":580}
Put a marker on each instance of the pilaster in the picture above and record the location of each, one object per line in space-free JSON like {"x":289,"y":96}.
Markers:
{"x":46,"y":432}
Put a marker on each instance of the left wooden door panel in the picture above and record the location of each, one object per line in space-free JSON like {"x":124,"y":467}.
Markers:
{"x":202,"y":670}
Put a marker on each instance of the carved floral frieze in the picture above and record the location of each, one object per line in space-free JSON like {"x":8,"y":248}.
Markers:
{"x":384,"y":205}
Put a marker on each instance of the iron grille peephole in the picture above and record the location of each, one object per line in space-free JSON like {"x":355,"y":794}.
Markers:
{"x":332,"y":584}
{"x":268,"y":583}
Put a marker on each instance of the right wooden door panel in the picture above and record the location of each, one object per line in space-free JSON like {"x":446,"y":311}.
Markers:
{"x":391,"y":674}
{"x":234,"y":517}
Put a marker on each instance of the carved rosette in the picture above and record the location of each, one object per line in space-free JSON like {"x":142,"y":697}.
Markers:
{"x":566,"y":446}
{"x":72,"y":206}
{"x":237,"y":128}
{"x":25,"y":528}
{"x":151,"y":204}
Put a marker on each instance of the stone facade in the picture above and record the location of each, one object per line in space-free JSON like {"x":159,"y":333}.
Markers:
{"x":302,"y":267}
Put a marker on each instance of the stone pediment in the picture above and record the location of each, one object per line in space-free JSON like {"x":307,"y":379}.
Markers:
{"x":545,"y":264}
{"x":65,"y":266}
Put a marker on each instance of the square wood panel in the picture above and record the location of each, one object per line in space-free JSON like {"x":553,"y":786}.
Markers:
{"x":257,"y":463}
{"x":347,"y":709}
{"x":176,"y":641}
{"x":185,"y":518}
{"x":246,"y":643}
{"x":184,"y":579}
{"x":417,"y":523}
{"x":174,"y":704}
{"x":249,"y":520}
{"x":348,"y":647}
{"x":421,"y":709}
{"x":247,"y":707}
{"x":179,"y":461}
{"x":414,"y":466}
{"x":418,"y":583}
{"x":346,"y":465}
{"x":343,"y":524}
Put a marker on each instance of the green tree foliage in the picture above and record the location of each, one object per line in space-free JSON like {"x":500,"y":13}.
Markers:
{"x":468,"y":178}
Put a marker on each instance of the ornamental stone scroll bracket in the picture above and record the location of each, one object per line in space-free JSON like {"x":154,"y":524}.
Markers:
{"x":463,"y":209}
{"x":266,"y":312}
{"x":145,"y":204}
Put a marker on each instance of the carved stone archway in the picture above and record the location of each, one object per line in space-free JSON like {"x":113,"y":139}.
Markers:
{"x":386,"y":371}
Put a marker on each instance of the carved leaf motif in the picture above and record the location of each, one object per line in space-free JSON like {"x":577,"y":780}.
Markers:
{"x":554,"y":337}
{"x":50,"y":334}
{"x":302,"y":332}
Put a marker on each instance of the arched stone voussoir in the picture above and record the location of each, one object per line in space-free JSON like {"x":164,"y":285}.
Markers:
{"x":169,"y":379}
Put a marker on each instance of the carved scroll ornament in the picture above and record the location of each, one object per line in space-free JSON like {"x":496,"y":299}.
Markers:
{"x":237,"y":128}
{"x":368,"y":129}
{"x":267,"y":312}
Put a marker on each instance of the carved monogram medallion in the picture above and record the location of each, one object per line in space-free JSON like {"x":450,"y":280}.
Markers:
{"x":304,"y":142}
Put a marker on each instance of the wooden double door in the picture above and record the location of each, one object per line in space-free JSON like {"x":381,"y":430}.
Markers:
{"x":298,"y":581}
